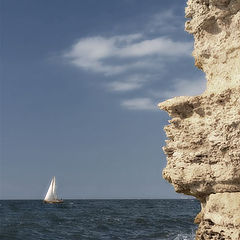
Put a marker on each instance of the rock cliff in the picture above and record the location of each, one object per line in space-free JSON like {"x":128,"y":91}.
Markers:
{"x":203,"y":146}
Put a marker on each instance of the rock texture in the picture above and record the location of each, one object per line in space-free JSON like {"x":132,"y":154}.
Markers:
{"x":215,"y":25}
{"x":203,"y":146}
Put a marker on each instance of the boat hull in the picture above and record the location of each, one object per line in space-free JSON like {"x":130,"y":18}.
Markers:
{"x":53,"y":201}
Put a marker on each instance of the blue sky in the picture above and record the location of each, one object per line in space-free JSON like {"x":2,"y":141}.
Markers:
{"x":80,"y":85}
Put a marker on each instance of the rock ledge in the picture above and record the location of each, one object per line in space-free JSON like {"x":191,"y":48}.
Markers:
{"x":203,"y":145}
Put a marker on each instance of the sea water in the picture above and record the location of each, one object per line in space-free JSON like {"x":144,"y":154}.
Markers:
{"x":98,"y":219}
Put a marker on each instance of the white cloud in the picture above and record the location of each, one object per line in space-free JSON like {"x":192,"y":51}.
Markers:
{"x":133,"y":60}
{"x":128,"y":83}
{"x":158,"y":46}
{"x":166,"y":21}
{"x":124,"y":86}
{"x":118,"y":54}
{"x":139,"y":104}
{"x":183,"y":87}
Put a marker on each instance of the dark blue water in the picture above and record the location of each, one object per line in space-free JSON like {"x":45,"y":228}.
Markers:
{"x":98,"y":219}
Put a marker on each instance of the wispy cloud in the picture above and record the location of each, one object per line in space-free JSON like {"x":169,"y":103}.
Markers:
{"x":182,"y":87}
{"x":139,"y":104}
{"x":118,"y":54}
{"x":123,"y":86}
{"x":129,"y":62}
{"x":161,"y":46}
{"x":166,"y":21}
{"x":128,"y":83}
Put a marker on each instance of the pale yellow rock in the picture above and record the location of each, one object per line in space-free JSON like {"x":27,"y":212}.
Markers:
{"x":215,"y":25}
{"x":203,"y":146}
{"x":202,"y":149}
{"x":222,"y":213}
{"x":223,"y":209}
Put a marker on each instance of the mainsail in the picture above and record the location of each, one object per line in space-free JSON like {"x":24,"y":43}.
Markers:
{"x":51,"y":193}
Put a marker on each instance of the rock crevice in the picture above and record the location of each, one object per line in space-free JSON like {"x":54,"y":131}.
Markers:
{"x":203,"y":145}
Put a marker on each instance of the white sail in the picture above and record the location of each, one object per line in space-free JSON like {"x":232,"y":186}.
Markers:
{"x":51,"y":193}
{"x":54,"y":188}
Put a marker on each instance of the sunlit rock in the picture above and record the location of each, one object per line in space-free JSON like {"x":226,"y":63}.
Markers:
{"x":203,"y":146}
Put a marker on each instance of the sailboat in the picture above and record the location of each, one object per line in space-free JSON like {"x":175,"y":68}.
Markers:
{"x":51,"y":196}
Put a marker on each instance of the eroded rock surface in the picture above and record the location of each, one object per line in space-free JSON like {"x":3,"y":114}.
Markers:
{"x":219,"y":218}
{"x":215,"y":25}
{"x":203,"y":146}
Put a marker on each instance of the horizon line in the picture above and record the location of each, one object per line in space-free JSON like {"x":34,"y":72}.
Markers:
{"x":38,"y":199}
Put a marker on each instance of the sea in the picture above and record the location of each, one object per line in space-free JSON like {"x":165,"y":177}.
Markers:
{"x":98,"y":219}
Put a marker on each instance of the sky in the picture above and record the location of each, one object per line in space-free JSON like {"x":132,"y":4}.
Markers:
{"x":80,"y":84}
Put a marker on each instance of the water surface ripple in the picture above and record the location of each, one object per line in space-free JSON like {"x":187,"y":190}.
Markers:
{"x":98,"y":219}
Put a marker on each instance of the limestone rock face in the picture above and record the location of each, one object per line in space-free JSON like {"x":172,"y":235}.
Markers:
{"x":215,"y":25}
{"x":203,"y":146}
{"x":220,"y":219}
